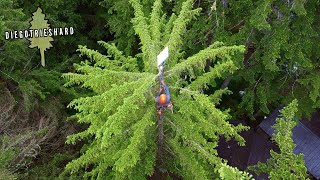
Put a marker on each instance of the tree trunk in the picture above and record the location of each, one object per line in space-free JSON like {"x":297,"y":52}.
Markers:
{"x":226,"y":82}
{"x":160,"y":142}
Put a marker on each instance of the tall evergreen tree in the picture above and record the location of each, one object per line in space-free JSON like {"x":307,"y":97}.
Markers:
{"x":122,"y":133}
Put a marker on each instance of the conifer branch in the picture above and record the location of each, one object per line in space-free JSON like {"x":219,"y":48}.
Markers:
{"x":102,"y":60}
{"x":142,"y":30}
{"x":106,"y":78}
{"x":192,"y":167}
{"x":179,"y":28}
{"x":127,"y":63}
{"x":227,"y":172}
{"x":199,"y":60}
{"x":155,"y":24}
{"x":216,"y":72}
{"x":168,"y":28}
{"x":131,"y":155}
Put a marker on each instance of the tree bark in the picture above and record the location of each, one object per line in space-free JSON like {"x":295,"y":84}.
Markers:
{"x":226,"y":82}
{"x":160,"y":142}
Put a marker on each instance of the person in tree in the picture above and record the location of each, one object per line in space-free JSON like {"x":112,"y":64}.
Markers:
{"x":163,"y":98}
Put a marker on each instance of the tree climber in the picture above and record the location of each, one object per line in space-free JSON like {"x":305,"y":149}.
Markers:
{"x":163,"y":98}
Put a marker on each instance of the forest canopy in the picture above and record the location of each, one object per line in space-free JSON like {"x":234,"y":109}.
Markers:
{"x":89,"y":110}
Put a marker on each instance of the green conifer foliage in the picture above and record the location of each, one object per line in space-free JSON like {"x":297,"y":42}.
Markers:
{"x":14,"y":54}
{"x":118,"y":21}
{"x":122,"y":120}
{"x":286,"y":163}
{"x":227,"y":172}
{"x":282,"y":40}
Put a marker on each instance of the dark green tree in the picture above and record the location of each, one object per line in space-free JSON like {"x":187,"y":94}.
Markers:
{"x":282,"y":51}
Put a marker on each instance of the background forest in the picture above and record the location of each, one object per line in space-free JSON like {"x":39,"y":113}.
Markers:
{"x":90,"y":112}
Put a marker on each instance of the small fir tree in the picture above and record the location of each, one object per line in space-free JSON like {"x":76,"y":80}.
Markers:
{"x":285,"y":164}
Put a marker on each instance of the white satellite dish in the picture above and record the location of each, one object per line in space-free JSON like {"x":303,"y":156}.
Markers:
{"x":163,"y":55}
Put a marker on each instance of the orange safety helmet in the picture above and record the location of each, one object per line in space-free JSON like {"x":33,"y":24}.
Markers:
{"x":163,"y":98}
